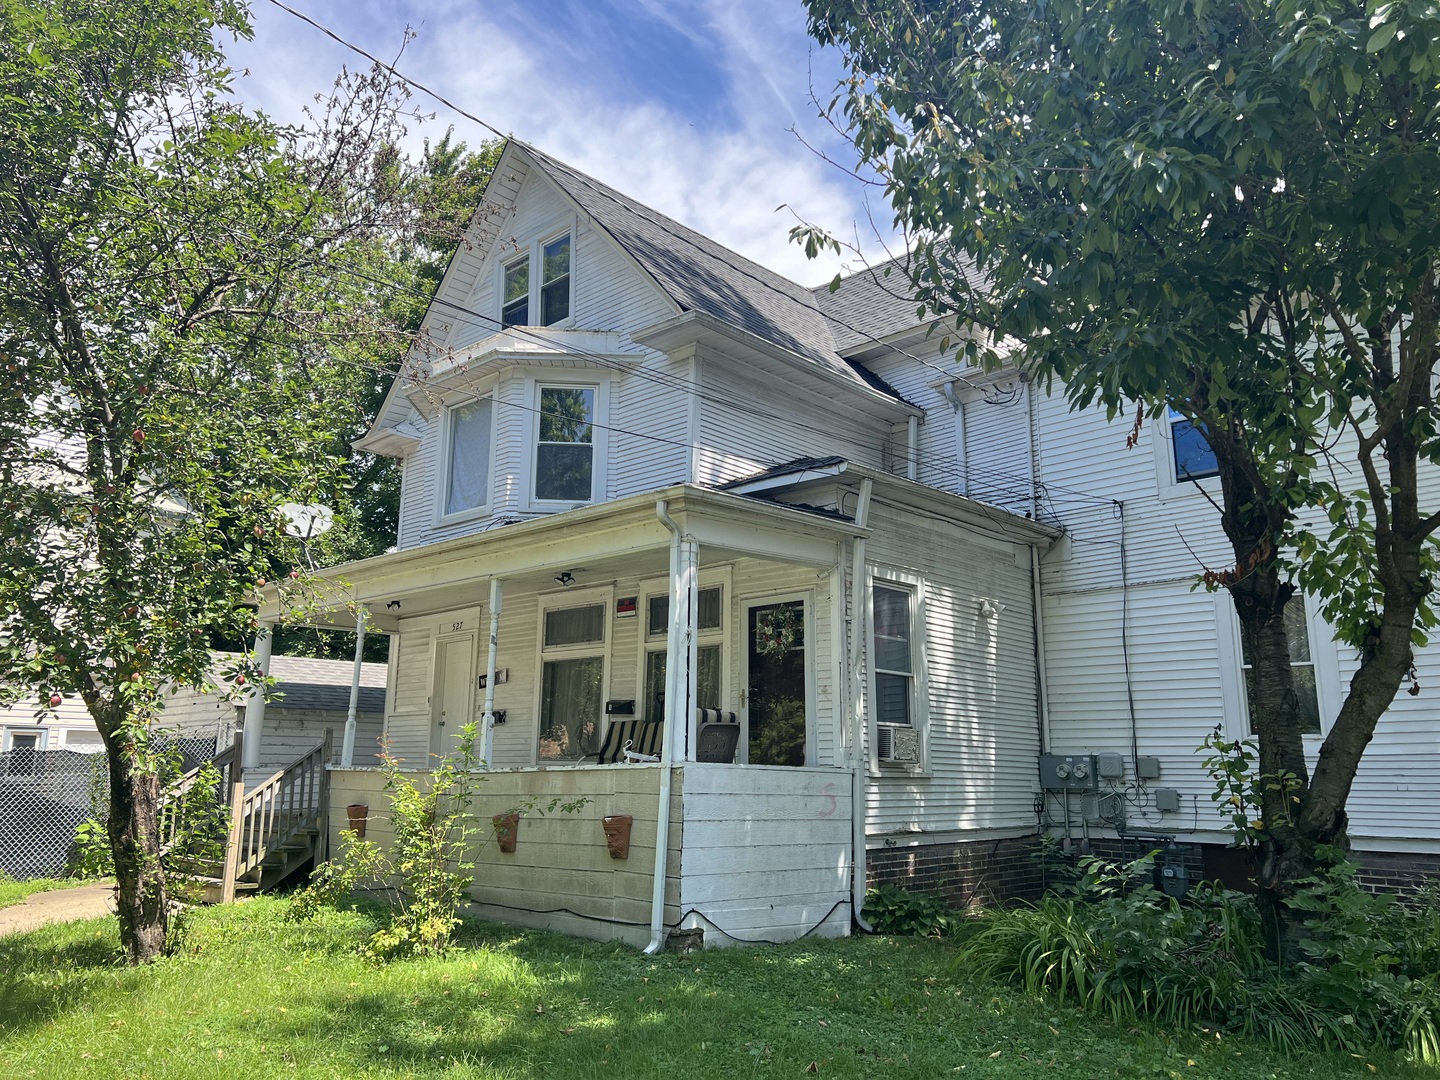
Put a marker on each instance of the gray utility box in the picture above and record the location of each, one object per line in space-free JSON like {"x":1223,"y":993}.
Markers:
{"x":1069,"y":772}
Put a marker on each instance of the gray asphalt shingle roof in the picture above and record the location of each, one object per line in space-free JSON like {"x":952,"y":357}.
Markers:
{"x":702,"y":275}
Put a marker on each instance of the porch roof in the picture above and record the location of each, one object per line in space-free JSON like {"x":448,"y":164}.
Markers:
{"x":603,"y":541}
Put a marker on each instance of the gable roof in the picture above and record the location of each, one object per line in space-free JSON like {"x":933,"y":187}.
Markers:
{"x":872,"y":303}
{"x":699,"y":274}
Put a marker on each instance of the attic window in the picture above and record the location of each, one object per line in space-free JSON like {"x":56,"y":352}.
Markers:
{"x":555,"y":281}
{"x":516,"y":311}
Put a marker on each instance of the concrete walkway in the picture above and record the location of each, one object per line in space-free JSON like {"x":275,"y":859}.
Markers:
{"x":63,"y":905}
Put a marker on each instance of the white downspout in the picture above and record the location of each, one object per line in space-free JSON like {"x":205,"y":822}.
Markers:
{"x":347,"y":751}
{"x":673,"y":711}
{"x":255,"y":703}
{"x":487,"y":721}
{"x":912,"y":449}
{"x":859,"y":624}
{"x":1040,"y":677}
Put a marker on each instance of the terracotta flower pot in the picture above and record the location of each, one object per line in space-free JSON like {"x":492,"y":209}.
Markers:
{"x":506,"y":826}
{"x":357,"y":814}
{"x":617,"y":834}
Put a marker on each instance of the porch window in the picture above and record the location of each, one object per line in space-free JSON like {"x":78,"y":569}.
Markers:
{"x":708,"y":607}
{"x":467,"y":484}
{"x":565,"y":446}
{"x":572,"y":683}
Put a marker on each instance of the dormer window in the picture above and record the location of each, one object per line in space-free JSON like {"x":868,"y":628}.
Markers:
{"x":543,"y":271}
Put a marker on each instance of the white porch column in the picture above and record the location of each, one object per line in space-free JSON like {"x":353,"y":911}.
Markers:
{"x":681,"y":676}
{"x":487,"y":722}
{"x":255,"y":703}
{"x":347,"y":753}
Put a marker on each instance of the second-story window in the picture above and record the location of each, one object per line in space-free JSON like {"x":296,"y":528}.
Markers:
{"x":467,"y":484}
{"x":565,"y":447}
{"x":1194,"y":460}
{"x":516,"y":310}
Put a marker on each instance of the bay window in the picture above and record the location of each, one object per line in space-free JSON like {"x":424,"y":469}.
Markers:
{"x":565,"y":444}
{"x":467,"y":456}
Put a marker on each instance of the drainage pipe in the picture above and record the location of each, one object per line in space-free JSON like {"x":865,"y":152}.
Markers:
{"x":487,"y":722}
{"x":1041,"y":679}
{"x":859,"y":625}
{"x":673,"y":714}
{"x":347,"y":751}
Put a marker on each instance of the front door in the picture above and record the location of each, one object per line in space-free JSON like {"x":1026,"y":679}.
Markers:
{"x":776,"y":701}
{"x":452,"y":705}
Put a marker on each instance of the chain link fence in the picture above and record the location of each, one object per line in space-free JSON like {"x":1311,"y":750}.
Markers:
{"x":46,"y":794}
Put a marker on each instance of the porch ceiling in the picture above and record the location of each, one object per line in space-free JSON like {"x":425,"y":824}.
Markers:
{"x":595,"y":543}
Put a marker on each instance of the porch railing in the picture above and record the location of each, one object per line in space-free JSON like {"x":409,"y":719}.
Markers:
{"x":265,"y":819}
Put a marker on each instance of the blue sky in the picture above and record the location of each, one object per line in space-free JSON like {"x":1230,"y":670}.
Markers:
{"x":683,"y":104}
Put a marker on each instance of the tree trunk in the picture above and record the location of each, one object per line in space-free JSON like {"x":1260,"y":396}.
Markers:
{"x":142,"y":902}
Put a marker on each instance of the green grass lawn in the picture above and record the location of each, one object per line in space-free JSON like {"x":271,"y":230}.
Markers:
{"x":251,"y":995}
{"x":15,"y":892}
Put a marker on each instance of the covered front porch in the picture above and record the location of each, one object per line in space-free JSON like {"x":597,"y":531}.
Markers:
{"x":700,"y":631}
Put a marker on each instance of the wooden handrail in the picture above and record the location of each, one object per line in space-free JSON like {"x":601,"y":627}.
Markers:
{"x":172,"y":799}
{"x":269,"y":815}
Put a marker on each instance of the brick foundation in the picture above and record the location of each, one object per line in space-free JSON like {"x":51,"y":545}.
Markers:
{"x":979,"y":872}
{"x":966,"y":874}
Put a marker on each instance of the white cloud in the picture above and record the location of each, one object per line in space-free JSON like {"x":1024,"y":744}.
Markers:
{"x":504,"y":64}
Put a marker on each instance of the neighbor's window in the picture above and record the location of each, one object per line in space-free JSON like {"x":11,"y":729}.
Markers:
{"x":1190,"y":450}
{"x":893,"y":655}
{"x":516,"y":309}
{"x":565,"y":448}
{"x":555,"y":281}
{"x":572,"y":683}
{"x":468,"y":483}
{"x":707,"y":653}
{"x":1302,"y":664}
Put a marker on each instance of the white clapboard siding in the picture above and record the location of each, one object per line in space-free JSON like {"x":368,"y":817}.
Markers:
{"x":766,"y":852}
{"x":750,"y":420}
{"x":983,"y":713}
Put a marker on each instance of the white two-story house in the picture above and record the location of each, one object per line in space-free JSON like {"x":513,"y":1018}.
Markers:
{"x":663,"y":537}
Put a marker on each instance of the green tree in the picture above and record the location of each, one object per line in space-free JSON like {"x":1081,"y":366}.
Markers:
{"x":1230,"y":209}
{"x":179,"y":352}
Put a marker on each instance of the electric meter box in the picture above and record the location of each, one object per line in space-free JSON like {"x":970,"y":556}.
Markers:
{"x":1068,"y":772}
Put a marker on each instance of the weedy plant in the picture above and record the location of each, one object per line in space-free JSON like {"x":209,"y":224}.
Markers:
{"x":425,"y":871}
{"x":893,"y":910}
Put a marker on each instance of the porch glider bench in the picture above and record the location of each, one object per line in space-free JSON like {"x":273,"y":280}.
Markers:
{"x":630,"y":740}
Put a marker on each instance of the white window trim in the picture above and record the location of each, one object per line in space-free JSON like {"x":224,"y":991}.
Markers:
{"x":1324,"y":654}
{"x":559,"y":600}
{"x":718,"y":577}
{"x":599,"y":444}
{"x":447,"y":450}
{"x":534,"y":250}
{"x":11,"y":732}
{"x":893,"y":577}
{"x":742,"y":666}
{"x":1162,"y":443}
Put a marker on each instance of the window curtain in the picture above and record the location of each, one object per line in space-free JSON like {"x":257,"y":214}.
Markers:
{"x":570,"y":708}
{"x":469,"y":456}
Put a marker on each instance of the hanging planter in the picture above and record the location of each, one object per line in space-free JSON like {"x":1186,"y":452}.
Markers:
{"x":356,"y":815}
{"x":617,"y":834}
{"x":506,"y":828}
{"x":778,"y":630}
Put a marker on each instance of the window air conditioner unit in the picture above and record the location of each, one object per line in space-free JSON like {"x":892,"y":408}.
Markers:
{"x":898,"y":745}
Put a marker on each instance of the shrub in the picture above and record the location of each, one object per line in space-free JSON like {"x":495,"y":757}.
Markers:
{"x":427,"y":869}
{"x":893,"y":910}
{"x":1121,"y":949}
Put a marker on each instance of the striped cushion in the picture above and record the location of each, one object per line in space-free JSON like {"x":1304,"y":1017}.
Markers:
{"x":716,"y":716}
{"x":640,"y":736}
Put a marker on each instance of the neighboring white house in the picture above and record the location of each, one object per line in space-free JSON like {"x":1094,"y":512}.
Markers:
{"x":310,"y":695}
{"x":657,"y":497}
